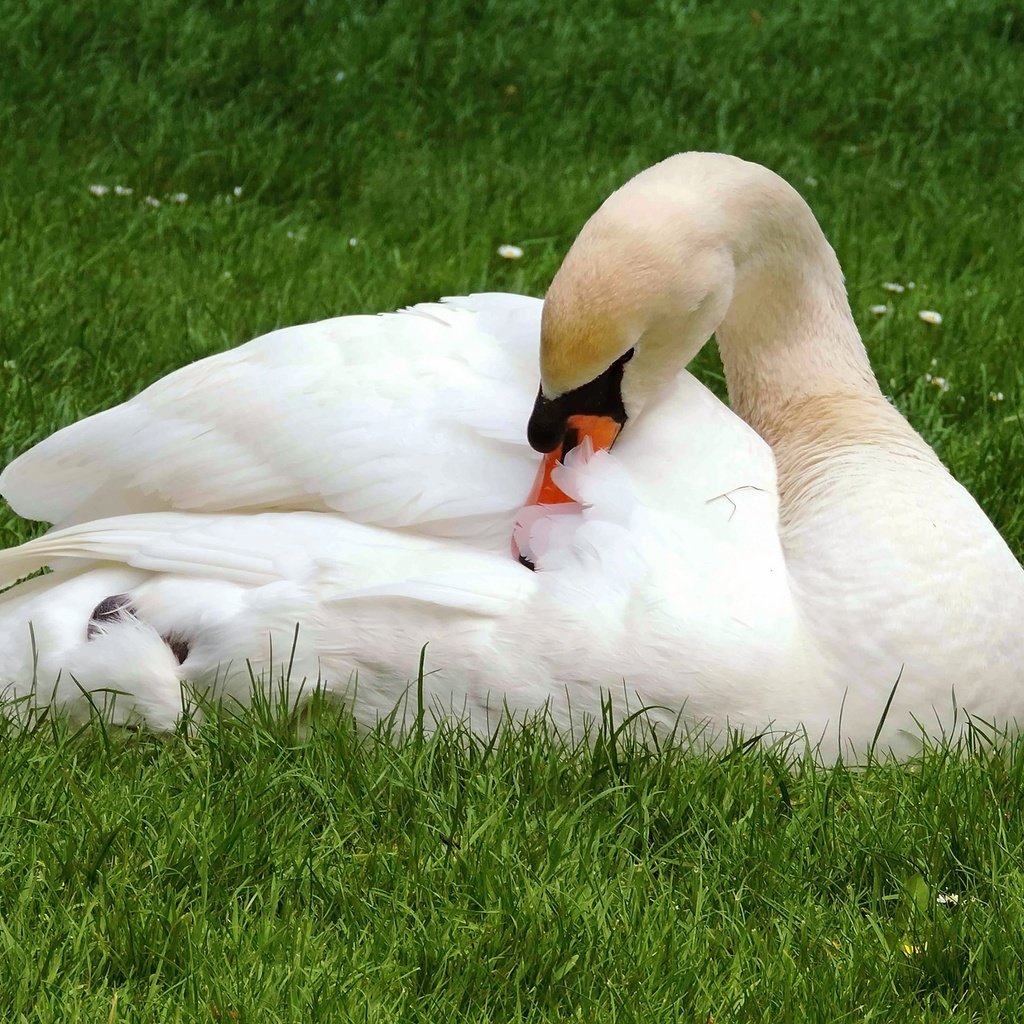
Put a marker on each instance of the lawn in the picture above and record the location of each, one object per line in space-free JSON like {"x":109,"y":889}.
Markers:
{"x":290,"y":161}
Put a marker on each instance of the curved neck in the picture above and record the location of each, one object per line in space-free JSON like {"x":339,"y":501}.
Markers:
{"x":788,"y":334}
{"x":797,"y":370}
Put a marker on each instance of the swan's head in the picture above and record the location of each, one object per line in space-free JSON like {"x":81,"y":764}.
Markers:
{"x":643,"y":287}
{"x":698,"y":244}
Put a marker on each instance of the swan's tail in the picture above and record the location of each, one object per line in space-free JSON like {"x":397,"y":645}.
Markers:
{"x":146,"y":602}
{"x":63,"y":643}
{"x":142,"y":611}
{"x":110,"y":628}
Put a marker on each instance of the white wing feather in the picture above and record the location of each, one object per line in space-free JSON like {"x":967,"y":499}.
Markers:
{"x":412,"y":420}
{"x":342,"y":560}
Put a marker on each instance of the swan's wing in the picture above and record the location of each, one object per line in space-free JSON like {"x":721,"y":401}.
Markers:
{"x":412,"y":420}
{"x":338,"y":559}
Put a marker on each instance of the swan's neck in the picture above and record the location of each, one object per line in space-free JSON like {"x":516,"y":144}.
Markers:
{"x":797,"y":370}
{"x":788,"y":334}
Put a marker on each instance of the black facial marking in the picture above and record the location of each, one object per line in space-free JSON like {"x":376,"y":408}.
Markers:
{"x":601,"y":396}
{"x":110,"y":609}
{"x":569,"y":441}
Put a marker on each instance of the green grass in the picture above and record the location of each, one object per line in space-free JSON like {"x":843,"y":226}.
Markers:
{"x":237,"y":872}
{"x":243,"y":874}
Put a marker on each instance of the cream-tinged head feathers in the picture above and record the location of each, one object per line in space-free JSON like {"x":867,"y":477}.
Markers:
{"x":699,"y":242}
{"x":632,"y":280}
{"x":620,"y":288}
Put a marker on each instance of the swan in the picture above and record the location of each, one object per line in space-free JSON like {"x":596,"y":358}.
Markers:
{"x":801,"y":561}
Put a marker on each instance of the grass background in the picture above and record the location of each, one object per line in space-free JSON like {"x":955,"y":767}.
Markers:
{"x":240,"y":875}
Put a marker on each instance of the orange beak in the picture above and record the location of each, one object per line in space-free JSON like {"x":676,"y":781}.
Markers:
{"x":602,"y":431}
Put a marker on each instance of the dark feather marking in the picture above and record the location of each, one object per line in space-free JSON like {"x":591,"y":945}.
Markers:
{"x":178,"y":644}
{"x":118,"y":607}
{"x":110,"y":609}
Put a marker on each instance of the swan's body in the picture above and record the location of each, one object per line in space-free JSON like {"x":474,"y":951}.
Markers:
{"x":704,"y":572}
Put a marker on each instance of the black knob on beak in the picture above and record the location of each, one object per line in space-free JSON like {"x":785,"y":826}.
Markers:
{"x":601,"y":396}
{"x":547,"y":423}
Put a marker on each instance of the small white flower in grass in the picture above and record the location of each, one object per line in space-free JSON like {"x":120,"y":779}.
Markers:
{"x":179,"y":197}
{"x":935,"y":362}
{"x":339,"y":76}
{"x":353,"y":242}
{"x":937,"y":382}
{"x":929,"y":316}
{"x":99,"y":190}
{"x":123,"y":190}
{"x":510,"y":252}
{"x":996,"y":396}
{"x":237,"y":191}
{"x":911,"y":285}
{"x":894,"y":286}
{"x":151,"y":201}
{"x":948,"y":899}
{"x":879,"y":310}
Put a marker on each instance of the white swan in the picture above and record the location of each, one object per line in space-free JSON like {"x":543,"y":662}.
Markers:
{"x":702,"y":570}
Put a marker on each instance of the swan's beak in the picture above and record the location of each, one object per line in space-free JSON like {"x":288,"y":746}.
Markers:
{"x":557,"y":425}
{"x":602,"y":431}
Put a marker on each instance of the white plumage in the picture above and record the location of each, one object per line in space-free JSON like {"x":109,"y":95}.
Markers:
{"x":341,"y":415}
{"x":361,"y":477}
